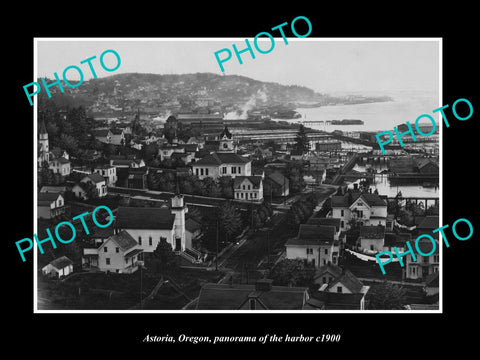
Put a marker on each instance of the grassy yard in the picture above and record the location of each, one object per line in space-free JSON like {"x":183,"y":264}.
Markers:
{"x":102,"y":291}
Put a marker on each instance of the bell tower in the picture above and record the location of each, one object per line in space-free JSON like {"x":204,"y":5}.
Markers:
{"x":43,"y":150}
{"x":179,"y":209}
{"x":226,"y":142}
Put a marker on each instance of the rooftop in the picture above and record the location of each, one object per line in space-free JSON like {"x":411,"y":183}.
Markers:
{"x":235,"y":297}
{"x":144,"y":218}
{"x":372,"y":232}
{"x":347,"y":200}
{"x":325,"y":221}
{"x":61,"y":262}
{"x":313,"y":235}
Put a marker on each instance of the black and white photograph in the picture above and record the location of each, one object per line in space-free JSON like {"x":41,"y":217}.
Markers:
{"x":256,"y":188}
{"x":210,"y":179}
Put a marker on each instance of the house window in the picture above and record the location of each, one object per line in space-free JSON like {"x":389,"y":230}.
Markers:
{"x":251,"y":195}
{"x":413,"y":271}
{"x":196,"y":171}
{"x":243,"y":187}
{"x":239,"y":170}
{"x":117,"y":250}
{"x":201,"y":172}
{"x":342,"y":212}
{"x":326,"y":251}
{"x":371,"y":247}
{"x":206,"y":172}
{"x":105,"y":249}
{"x":436,"y":258}
{"x":117,"y":271}
{"x":324,"y":262}
{"x":339,"y":289}
{"x":255,"y":195}
{"x":309,"y":251}
{"x":248,"y":187}
{"x":252,"y":304}
{"x":139,"y":240}
{"x":234,"y":170}
{"x":107,"y":261}
{"x":324,"y":279}
{"x":241,"y":194}
{"x":150,"y":240}
{"x":342,"y":224}
{"x":224,"y":170}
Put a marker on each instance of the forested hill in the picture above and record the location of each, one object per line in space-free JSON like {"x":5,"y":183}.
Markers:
{"x":160,"y":90}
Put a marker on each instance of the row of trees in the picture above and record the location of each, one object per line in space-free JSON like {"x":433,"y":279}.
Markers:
{"x":190,"y":184}
{"x":301,"y":210}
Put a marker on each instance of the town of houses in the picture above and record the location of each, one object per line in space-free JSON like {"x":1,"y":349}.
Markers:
{"x":333,"y":247}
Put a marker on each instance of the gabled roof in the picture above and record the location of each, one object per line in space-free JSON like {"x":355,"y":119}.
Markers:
{"x":313,"y":235}
{"x":123,"y":239}
{"x":232,"y":297}
{"x":221,"y":158}
{"x":348,"y":280}
{"x":46,"y":198}
{"x":339,"y":301}
{"x":332,"y":269}
{"x":255,"y":180}
{"x":144,"y":218}
{"x":122,"y":162}
{"x":372,"y":232}
{"x":226,"y":133}
{"x":421,"y":163}
{"x":430,"y":223}
{"x":62,"y":160}
{"x":61,"y":262}
{"x":95,"y":177}
{"x":278,"y":178}
{"x":100,"y":132}
{"x":325,"y":221}
{"x":369,"y":199}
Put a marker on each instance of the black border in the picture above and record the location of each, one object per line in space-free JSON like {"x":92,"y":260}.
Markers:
{"x":370,"y":332}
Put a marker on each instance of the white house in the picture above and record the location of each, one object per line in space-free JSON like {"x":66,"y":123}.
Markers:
{"x":108,"y":172}
{"x":329,"y":222}
{"x":98,"y":181}
{"x":61,"y":266}
{"x":424,"y":265}
{"x":50,"y":204}
{"x":248,"y":188}
{"x":148,"y":225}
{"x":315,"y":244}
{"x":60,"y":166}
{"x":367,"y":209}
{"x":372,"y":237}
{"x":339,"y":289}
{"x":224,"y":162}
{"x":118,"y":253}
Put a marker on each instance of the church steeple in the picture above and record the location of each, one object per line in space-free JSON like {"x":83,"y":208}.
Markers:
{"x":43,"y":150}
{"x":226,"y":141}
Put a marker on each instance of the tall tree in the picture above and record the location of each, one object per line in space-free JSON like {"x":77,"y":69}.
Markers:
{"x":301,"y":141}
{"x":230,"y":221}
{"x":292,"y":272}
{"x":163,"y":256}
{"x":386,"y":296}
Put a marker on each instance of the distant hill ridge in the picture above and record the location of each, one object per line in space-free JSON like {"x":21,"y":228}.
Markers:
{"x":226,"y":89}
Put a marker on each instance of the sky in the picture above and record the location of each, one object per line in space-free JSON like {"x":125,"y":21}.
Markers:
{"x":333,"y":66}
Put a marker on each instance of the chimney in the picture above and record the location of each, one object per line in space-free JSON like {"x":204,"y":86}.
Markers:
{"x":263,"y":285}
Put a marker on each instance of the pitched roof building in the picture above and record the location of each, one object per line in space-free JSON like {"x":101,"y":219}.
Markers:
{"x":261,"y":296}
